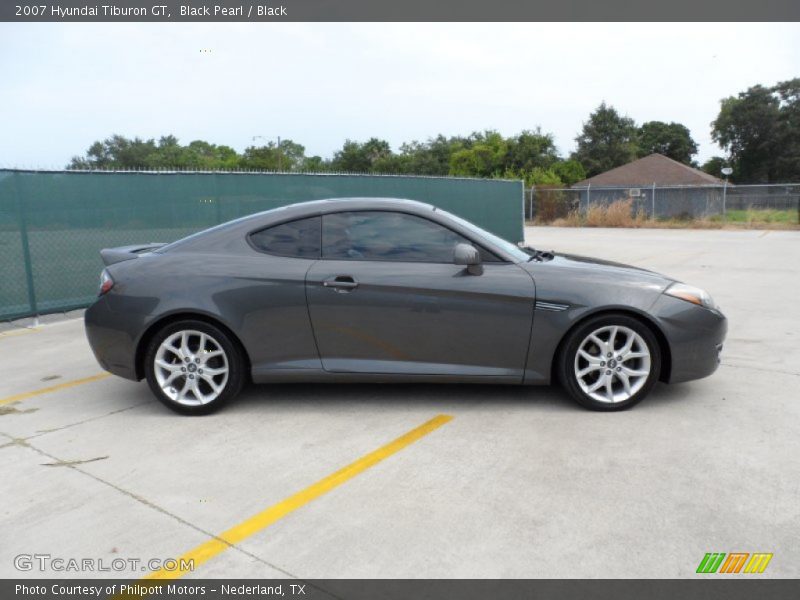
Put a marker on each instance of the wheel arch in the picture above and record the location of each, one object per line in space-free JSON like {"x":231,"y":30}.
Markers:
{"x":644,"y":319}
{"x":164,"y":321}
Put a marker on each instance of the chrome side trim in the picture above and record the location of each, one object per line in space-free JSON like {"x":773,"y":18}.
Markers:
{"x":551,"y":306}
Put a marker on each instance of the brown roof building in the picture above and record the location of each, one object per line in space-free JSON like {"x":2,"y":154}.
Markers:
{"x":654,"y":169}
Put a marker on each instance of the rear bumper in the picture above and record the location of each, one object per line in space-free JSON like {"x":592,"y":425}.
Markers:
{"x":695,"y":336}
{"x":112,"y":337}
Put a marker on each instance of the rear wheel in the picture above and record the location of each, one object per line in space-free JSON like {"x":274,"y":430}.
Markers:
{"x":194,"y":367}
{"x":610,"y":362}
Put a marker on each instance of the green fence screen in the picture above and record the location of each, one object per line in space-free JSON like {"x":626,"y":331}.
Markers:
{"x":53,"y":224}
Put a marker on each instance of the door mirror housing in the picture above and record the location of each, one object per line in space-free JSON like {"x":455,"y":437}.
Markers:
{"x":468,"y":255}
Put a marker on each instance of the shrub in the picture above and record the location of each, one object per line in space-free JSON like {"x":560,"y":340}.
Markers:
{"x":553,"y":204}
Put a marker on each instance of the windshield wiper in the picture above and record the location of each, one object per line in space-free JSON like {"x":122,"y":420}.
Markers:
{"x":538,"y":255}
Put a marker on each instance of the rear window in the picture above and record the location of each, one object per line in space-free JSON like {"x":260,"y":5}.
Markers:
{"x":298,"y":239}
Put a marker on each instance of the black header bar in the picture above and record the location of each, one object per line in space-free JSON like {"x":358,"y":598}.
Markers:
{"x":399,"y":10}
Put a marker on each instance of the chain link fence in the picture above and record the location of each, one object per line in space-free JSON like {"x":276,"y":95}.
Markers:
{"x":53,"y":224}
{"x":734,"y":203}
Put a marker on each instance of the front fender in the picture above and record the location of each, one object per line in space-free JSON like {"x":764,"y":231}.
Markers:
{"x":567,"y":292}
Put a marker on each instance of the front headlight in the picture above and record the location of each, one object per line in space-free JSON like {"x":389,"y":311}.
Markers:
{"x":691,"y":294}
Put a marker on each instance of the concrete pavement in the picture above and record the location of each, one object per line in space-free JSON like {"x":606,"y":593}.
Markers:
{"x":520,"y":483}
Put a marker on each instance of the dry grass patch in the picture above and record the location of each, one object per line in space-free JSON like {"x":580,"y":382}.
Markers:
{"x":620,"y":214}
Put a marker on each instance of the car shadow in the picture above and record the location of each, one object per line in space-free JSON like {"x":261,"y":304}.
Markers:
{"x":671,"y":393}
{"x":550,"y":398}
{"x":442,"y":397}
{"x":436,"y":396}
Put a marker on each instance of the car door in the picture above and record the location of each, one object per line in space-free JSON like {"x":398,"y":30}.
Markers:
{"x":387,"y":298}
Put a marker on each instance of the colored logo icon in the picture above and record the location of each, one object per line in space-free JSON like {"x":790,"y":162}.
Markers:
{"x":736,"y":562}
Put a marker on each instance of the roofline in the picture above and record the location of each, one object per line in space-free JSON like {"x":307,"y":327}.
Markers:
{"x":329,"y":204}
{"x":659,"y":186}
{"x":313,"y":208}
{"x":588,"y":181}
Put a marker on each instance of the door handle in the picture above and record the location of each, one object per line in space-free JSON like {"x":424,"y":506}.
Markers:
{"x":342,"y":283}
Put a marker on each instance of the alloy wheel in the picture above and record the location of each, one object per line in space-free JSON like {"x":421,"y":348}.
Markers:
{"x":191,"y":367}
{"x":612,"y":364}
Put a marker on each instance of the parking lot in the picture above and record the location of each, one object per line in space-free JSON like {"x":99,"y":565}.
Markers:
{"x":519,"y":483}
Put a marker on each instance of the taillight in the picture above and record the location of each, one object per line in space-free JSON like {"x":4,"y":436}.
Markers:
{"x":106,"y":283}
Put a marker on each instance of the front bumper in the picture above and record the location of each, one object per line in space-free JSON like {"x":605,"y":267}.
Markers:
{"x":695,"y":336}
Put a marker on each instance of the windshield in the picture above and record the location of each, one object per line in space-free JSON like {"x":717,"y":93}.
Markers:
{"x":494,"y":240}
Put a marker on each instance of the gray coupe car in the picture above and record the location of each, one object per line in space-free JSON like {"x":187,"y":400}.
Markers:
{"x":379,"y":290}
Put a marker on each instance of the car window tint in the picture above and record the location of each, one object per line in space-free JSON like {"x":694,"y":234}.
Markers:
{"x":390,"y":236}
{"x":299,"y":239}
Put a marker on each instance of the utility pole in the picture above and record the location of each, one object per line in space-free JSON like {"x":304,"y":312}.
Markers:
{"x":653,"y":200}
{"x":725,"y":171}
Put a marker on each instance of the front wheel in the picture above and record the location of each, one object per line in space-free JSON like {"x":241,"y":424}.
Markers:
{"x":610,"y":362}
{"x":194,"y":367}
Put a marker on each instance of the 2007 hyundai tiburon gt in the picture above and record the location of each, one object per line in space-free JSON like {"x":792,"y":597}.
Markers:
{"x":377,"y":290}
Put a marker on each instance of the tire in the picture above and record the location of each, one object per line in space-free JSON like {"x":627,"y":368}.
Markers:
{"x":194,"y":367}
{"x":585,"y":367}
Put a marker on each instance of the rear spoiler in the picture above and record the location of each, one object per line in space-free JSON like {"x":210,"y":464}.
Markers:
{"x":111,"y":256}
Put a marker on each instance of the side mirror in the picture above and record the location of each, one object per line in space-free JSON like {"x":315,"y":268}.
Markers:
{"x":470,"y":257}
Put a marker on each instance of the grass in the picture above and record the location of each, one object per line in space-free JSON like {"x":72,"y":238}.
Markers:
{"x":762,"y":216}
{"x":621,"y":214}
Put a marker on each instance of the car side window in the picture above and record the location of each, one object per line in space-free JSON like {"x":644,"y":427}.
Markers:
{"x":297,"y":239}
{"x":388,"y":236}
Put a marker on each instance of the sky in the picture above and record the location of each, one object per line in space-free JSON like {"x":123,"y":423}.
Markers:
{"x":64,"y":86}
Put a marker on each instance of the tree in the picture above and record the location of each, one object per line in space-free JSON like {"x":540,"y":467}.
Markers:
{"x":428,"y":158}
{"x":168,"y":153}
{"x":286,"y":156}
{"x":748,"y":128}
{"x":788,"y":159}
{"x":314,"y":164}
{"x":670,"y":139}
{"x":607,"y":140}
{"x":530,"y":155}
{"x":116,"y":152}
{"x":537,"y":176}
{"x":713,"y":166}
{"x":484,"y":156}
{"x":569,"y":171}
{"x":207,"y":156}
{"x":373,"y":155}
{"x":760,"y":130}
{"x":531,"y":149}
{"x":119,"y":152}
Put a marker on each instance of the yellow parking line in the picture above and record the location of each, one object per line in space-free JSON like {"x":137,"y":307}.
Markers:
{"x":53,"y":388}
{"x":267,"y":517}
{"x":16,"y":332}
